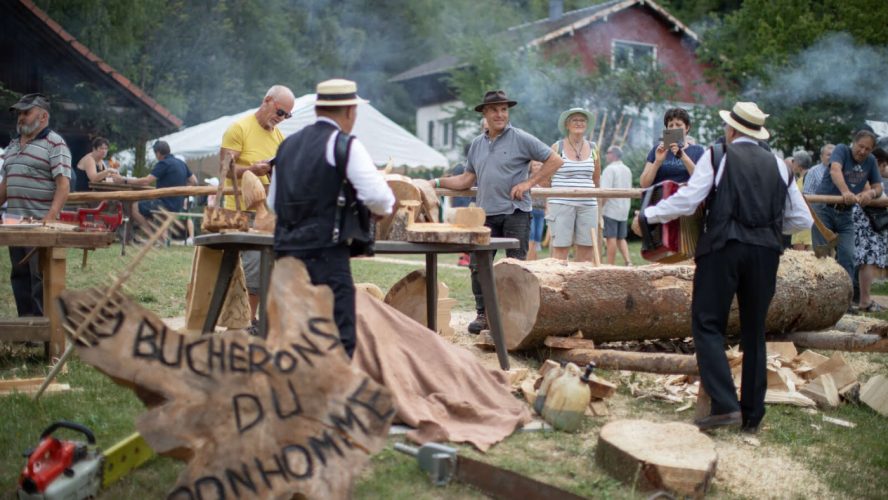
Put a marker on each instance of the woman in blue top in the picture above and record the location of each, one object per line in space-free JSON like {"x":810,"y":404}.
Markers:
{"x":672,"y":162}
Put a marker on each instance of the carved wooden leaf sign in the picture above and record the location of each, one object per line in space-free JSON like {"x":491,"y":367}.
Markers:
{"x":254,"y":419}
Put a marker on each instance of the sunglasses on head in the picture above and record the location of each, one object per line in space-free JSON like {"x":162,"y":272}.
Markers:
{"x":283,"y":114}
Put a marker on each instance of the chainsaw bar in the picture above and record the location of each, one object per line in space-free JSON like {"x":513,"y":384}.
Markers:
{"x":505,"y":484}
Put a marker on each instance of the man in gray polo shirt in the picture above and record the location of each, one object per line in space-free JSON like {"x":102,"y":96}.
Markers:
{"x":36,"y":180}
{"x":499,"y":160}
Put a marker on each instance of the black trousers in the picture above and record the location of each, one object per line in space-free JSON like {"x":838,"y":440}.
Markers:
{"x":515,"y":225}
{"x":27,"y":282}
{"x":750,"y":273}
{"x":330,"y":266}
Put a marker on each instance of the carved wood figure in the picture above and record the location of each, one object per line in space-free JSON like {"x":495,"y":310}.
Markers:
{"x":253,"y":418}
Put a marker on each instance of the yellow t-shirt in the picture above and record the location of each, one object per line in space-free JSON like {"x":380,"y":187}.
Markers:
{"x":254,"y":143}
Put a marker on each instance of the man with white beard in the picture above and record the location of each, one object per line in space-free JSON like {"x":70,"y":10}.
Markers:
{"x":36,"y":180}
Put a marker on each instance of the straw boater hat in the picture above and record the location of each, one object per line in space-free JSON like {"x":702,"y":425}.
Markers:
{"x":495,"y":97}
{"x":562,"y":120}
{"x":338,"y":92}
{"x":746,"y":117}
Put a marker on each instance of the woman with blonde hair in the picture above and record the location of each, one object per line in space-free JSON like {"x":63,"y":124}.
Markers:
{"x":572,"y":220}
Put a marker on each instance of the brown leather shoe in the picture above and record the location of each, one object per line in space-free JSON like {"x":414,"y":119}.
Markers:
{"x":725,"y":419}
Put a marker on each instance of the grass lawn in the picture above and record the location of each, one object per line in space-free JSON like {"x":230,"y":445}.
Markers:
{"x":798,"y":454}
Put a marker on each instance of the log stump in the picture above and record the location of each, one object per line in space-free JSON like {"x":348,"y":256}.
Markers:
{"x":658,"y":456}
{"x":608,"y":303}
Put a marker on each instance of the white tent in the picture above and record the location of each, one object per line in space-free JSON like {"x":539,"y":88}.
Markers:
{"x":384,"y":139}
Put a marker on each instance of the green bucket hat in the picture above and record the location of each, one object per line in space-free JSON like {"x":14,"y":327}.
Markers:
{"x":572,"y":111}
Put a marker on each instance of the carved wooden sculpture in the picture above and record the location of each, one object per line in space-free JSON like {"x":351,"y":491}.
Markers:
{"x":253,"y":418}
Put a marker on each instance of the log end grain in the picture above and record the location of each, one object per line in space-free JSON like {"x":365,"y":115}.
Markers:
{"x":652,"y":456}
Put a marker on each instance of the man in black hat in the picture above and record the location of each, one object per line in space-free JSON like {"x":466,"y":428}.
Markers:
{"x":499,"y":160}
{"x":36,"y":180}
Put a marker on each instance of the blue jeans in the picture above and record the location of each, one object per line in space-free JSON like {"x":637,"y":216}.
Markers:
{"x":841,"y":223}
{"x":537,"y":224}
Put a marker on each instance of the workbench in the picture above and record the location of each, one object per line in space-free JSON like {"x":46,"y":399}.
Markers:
{"x":52,"y":248}
{"x":235,"y":242}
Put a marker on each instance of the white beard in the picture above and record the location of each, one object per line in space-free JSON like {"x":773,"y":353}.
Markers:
{"x":27,"y":129}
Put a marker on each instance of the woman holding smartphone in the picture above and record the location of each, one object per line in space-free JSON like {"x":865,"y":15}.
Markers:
{"x":674,"y":161}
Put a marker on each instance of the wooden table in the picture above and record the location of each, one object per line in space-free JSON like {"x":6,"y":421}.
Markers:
{"x":127,"y":207}
{"x":52,"y":245}
{"x":233,"y":243}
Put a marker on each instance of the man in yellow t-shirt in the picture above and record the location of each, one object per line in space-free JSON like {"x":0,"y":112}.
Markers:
{"x":253,"y":141}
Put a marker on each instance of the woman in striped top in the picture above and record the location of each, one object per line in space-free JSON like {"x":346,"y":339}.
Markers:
{"x":572,"y":220}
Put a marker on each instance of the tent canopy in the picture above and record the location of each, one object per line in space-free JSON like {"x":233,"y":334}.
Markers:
{"x":384,"y":139}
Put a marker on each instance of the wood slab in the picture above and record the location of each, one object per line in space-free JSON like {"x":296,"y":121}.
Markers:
{"x":672,"y":456}
{"x":448,"y":233}
{"x":469,"y":216}
{"x":875,"y":394}
{"x":52,"y":237}
{"x":252,"y":418}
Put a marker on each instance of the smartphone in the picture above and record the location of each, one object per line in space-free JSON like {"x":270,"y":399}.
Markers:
{"x":673,"y":135}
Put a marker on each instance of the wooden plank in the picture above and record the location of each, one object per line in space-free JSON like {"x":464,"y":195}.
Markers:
{"x":14,"y":383}
{"x":52,"y":263}
{"x":24,"y":329}
{"x":447,"y":233}
{"x":875,"y":394}
{"x":47,"y":237}
{"x":53,"y":387}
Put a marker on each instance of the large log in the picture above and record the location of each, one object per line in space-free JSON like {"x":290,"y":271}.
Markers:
{"x":148,"y":194}
{"x":608,"y":303}
{"x":658,"y":456}
{"x":835,"y":340}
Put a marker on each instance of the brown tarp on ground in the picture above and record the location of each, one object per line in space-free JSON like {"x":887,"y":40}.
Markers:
{"x":439,"y":388}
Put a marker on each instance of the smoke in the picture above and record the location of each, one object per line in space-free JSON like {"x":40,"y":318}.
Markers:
{"x":834,"y":68}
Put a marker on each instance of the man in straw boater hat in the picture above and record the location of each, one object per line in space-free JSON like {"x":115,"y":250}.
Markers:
{"x":499,"y":160}
{"x":324,"y":181}
{"x":750,"y":202}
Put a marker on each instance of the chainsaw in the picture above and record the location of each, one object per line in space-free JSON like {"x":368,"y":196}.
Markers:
{"x":105,"y":217}
{"x":73,"y":470}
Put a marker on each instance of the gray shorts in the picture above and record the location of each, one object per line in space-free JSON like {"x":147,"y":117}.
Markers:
{"x":250,"y":262}
{"x":614,"y":228}
{"x":570,"y":224}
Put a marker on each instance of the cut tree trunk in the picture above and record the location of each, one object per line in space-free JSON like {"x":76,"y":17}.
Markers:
{"x":658,"y":456}
{"x":836,"y":340}
{"x":608,"y":303}
{"x":447,"y":233}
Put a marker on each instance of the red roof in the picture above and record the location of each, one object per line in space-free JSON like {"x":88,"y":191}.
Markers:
{"x":129,"y":87}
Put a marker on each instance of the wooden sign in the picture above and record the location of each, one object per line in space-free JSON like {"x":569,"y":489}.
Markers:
{"x":252,"y":418}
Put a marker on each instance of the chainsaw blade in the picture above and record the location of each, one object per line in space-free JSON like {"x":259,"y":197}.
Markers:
{"x":505,"y":484}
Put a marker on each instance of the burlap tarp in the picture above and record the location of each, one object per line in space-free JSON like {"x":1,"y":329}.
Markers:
{"x":440,"y":389}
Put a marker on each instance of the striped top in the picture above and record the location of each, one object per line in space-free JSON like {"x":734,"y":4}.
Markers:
{"x":575,"y":174}
{"x":30,"y":173}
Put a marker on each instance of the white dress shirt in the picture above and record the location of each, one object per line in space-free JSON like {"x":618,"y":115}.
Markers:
{"x":369,"y":184}
{"x":796,"y":216}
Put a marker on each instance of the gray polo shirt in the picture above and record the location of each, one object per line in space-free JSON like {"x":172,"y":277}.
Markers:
{"x":501,"y":164}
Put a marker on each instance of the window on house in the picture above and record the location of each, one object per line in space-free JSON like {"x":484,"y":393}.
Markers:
{"x":445,"y":135}
{"x":453,"y":134}
{"x":629,"y":55}
{"x":430,"y":137}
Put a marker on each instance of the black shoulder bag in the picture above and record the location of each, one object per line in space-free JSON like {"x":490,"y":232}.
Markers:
{"x":352,"y":223}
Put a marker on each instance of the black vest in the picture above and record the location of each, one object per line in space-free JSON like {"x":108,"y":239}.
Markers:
{"x":747,"y":204}
{"x":307,"y":192}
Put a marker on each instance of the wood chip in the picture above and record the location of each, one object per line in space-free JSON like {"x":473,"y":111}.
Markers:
{"x":838,"y":421}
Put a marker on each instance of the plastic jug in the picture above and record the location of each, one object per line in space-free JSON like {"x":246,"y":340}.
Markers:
{"x":548,"y":378}
{"x":567,"y":399}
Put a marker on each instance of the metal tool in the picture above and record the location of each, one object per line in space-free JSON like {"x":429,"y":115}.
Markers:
{"x":442,"y":464}
{"x":72,"y":470}
{"x":62,"y":469}
{"x":832,"y":239}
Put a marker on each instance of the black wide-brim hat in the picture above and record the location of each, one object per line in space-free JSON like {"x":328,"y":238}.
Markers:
{"x":495,"y":97}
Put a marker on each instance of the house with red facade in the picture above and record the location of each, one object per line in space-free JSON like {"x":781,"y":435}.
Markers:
{"x":622,"y":32}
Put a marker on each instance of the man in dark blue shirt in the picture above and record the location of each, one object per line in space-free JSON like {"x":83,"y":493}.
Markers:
{"x":169,"y":171}
{"x":853,"y":175}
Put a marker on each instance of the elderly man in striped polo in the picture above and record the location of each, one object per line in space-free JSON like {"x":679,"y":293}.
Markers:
{"x":36,"y":180}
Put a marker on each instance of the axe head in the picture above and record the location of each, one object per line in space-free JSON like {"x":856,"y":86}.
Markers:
{"x":821,"y":251}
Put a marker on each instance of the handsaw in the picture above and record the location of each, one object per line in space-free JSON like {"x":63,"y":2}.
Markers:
{"x":443,"y":464}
